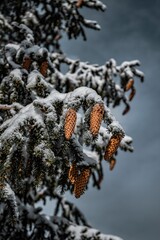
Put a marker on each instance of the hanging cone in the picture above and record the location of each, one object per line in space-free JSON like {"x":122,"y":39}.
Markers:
{"x":73,"y":173}
{"x":112,"y":146}
{"x":96,"y":118}
{"x":126,"y":110}
{"x":81,"y":182}
{"x":132,"y":94}
{"x":112,"y":163}
{"x":70,"y":122}
{"x":26,"y":62}
{"x":129,"y":84}
{"x":43,"y":68}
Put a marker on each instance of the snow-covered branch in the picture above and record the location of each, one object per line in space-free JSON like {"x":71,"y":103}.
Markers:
{"x":56,"y":127}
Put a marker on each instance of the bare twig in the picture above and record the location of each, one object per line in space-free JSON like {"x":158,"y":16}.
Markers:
{"x":5,"y":107}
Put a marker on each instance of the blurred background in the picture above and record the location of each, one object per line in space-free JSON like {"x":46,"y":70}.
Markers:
{"x":128,"y":204}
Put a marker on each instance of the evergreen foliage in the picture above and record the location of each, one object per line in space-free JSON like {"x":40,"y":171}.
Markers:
{"x":56,"y":127}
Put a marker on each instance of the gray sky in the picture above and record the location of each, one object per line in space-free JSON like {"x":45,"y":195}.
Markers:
{"x":128,"y":205}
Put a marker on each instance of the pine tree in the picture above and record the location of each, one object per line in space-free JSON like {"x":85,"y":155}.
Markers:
{"x":53,"y":123}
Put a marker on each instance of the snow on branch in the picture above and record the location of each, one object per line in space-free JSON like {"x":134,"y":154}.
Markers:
{"x":52,"y":19}
{"x":111,"y":81}
{"x":77,"y":232}
{"x":40,"y":102}
{"x":36,"y":72}
{"x":56,"y":127}
{"x":7,"y":195}
{"x":49,"y":128}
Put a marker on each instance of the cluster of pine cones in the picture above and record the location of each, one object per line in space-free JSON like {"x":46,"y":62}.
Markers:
{"x":43,"y":65}
{"x":80,"y":177}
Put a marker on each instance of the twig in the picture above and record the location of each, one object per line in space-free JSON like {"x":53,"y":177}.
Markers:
{"x":5,"y":107}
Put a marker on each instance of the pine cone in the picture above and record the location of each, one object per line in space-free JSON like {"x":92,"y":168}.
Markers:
{"x":73,"y":173}
{"x":81,"y":182}
{"x":26,"y":62}
{"x":70,"y":122}
{"x":112,"y":163}
{"x":43,"y":68}
{"x":112,"y":146}
{"x":129,"y":84}
{"x":126,"y":110}
{"x":96,"y":118}
{"x":132,"y":94}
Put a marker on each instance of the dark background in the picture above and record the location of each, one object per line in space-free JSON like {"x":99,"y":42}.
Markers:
{"x":128,"y":205}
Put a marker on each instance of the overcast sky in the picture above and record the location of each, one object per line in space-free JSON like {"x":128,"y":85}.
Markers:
{"x":128,"y":205}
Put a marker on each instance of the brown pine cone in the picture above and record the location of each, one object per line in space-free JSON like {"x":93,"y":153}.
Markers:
{"x":70,"y":122}
{"x":112,"y":163}
{"x":112,"y":146}
{"x":126,"y":110}
{"x":73,"y":173}
{"x":26,"y":62}
{"x":81,"y":182}
{"x":129,"y":84}
{"x":132,"y":94}
{"x":96,"y":118}
{"x":43,"y":68}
